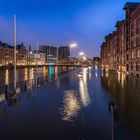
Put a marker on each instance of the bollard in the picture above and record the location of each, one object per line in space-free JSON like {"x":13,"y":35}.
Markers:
{"x":25,"y":85}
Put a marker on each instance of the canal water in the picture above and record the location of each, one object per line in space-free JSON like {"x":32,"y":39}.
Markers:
{"x":73,"y":105}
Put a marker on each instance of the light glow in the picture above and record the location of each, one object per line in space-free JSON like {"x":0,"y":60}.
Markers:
{"x":73,"y":45}
{"x":81,"y":53}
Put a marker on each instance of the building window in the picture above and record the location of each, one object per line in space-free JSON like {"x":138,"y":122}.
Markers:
{"x":127,"y":57}
{"x":133,"y":66}
{"x":134,"y":54}
{"x":138,"y":41}
{"x":127,"y":67}
{"x":138,"y":53}
{"x":138,"y":66}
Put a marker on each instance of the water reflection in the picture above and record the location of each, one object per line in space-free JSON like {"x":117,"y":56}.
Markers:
{"x":6,"y":77}
{"x":125,"y":91}
{"x":89,"y":72}
{"x":121,"y":78}
{"x":25,"y":74}
{"x":75,"y":99}
{"x":90,"y":123}
{"x":31,"y":73}
{"x":71,"y":106}
{"x":51,"y":72}
{"x":83,"y":89}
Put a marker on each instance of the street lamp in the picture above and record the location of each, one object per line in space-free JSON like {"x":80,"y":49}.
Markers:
{"x":81,"y":53}
{"x":73,"y":45}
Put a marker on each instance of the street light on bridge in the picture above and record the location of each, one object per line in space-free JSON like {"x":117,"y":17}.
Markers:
{"x":81,"y":53}
{"x":73,"y":45}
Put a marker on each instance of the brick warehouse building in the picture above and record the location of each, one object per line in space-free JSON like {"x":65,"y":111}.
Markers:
{"x":121,"y":49}
{"x":132,"y":37}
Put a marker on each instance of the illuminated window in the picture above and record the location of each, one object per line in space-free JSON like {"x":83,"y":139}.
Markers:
{"x":134,"y":54}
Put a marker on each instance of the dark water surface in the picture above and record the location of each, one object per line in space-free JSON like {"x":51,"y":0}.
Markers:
{"x":75,"y":108}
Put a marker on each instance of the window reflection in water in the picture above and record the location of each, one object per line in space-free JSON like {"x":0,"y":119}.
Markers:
{"x":102,"y":72}
{"x":31,"y":77}
{"x":6,"y":77}
{"x":121,"y":78}
{"x":56,"y":73}
{"x":56,"y":77}
{"x":51,"y":72}
{"x":31,"y":74}
{"x":96,"y":74}
{"x":90,"y":73}
{"x":25,"y":74}
{"x":71,"y":106}
{"x":106,"y":73}
{"x":44,"y":71}
{"x":83,"y":89}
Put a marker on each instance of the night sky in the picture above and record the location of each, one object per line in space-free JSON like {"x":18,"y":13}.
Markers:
{"x":61,"y":22}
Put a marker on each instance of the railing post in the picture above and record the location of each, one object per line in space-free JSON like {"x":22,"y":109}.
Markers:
{"x":25,"y":85}
{"x":6,"y":89}
{"x":32,"y":83}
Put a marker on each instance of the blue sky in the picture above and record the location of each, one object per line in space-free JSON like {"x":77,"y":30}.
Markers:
{"x":60,"y":22}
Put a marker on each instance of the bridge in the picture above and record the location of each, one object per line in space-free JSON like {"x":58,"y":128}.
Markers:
{"x":46,"y":65}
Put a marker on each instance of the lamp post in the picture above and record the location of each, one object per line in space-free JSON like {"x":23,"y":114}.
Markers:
{"x":57,"y":55}
{"x":36,"y":52}
{"x":36,"y":57}
{"x":15,"y":53}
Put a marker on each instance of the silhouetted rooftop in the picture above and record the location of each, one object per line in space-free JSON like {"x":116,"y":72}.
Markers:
{"x":131,"y":5}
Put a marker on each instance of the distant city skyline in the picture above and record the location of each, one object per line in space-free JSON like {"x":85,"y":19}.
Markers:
{"x":61,"y":22}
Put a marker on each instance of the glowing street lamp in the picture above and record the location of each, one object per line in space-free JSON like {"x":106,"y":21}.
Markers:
{"x":81,"y":53}
{"x":73,"y":45}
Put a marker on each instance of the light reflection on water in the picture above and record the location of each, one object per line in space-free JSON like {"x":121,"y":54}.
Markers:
{"x":6,"y":77}
{"x":121,"y":78}
{"x":25,"y":74}
{"x":91,"y":122}
{"x":83,"y":89}
{"x":74,"y":99}
{"x":71,"y":106}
